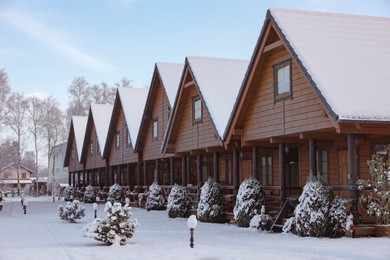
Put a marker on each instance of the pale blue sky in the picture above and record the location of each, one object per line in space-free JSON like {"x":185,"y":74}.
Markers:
{"x":45,"y":43}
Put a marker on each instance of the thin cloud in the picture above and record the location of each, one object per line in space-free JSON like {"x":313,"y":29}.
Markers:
{"x":52,"y":39}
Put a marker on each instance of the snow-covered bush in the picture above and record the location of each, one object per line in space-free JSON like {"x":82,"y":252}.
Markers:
{"x":116,"y":228}
{"x":261,"y":221}
{"x":69,"y":193}
{"x":375,"y":192}
{"x":178,"y":202}
{"x":115,"y":193}
{"x":89,"y":194}
{"x":142,"y":198}
{"x":155,"y":200}
{"x":248,"y":202}
{"x":316,"y":212}
{"x":211,"y":203}
{"x":72,"y":211}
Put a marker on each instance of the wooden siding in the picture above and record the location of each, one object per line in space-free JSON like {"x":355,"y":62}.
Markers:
{"x":191,"y":136}
{"x":125,"y":152}
{"x":160,"y":111}
{"x":266,"y":118}
{"x":93,"y":161}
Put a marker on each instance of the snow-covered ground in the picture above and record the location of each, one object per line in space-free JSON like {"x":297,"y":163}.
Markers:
{"x":41,"y":234}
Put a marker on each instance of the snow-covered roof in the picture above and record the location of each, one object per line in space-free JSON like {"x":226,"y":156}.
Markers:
{"x":101,"y":115}
{"x":79,"y":128}
{"x":133,"y":102}
{"x":347,"y":58}
{"x":219,"y":81}
{"x":170,"y":74}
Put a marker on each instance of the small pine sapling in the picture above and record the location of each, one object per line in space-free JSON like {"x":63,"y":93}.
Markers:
{"x":72,"y":211}
{"x":211,"y":203}
{"x":115,"y":193}
{"x":69,"y":193}
{"x":178,"y":202}
{"x":89,"y":194}
{"x":155,"y":199}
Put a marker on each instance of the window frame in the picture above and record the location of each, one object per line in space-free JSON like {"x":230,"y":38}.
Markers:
{"x":128,"y":139}
{"x":155,"y":129}
{"x":266,"y":170}
{"x":276,"y":67}
{"x":117,"y":140}
{"x":194,"y":118}
{"x":320,"y":163}
{"x":91,"y":148}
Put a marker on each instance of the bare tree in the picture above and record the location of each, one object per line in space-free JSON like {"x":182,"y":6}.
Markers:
{"x":35,"y":116}
{"x":8,"y":152}
{"x":15,"y":120}
{"x":103,"y":94}
{"x":4,"y":93}
{"x":79,"y":97}
{"x":124,"y":82}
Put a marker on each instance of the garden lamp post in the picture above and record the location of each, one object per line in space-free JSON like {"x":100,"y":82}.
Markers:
{"x":25,"y":202}
{"x":95,"y":207}
{"x":191,"y":223}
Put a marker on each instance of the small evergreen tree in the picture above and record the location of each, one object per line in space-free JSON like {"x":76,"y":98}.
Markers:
{"x":89,"y":194}
{"x":178,"y":202}
{"x":211,"y":203}
{"x":375,"y":192}
{"x":69,"y":193}
{"x":72,"y":211}
{"x":115,"y":193}
{"x":155,"y":200}
{"x":337,"y":217}
{"x":116,"y":228}
{"x":249,"y":200}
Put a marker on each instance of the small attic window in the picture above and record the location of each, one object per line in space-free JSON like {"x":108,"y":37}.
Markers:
{"x":117,"y":140}
{"x":155,"y":128}
{"x":282,"y":80}
{"x":91,"y":147}
{"x":196,"y":110}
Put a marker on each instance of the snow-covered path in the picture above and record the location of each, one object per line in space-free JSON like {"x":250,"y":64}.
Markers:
{"x":41,"y":234}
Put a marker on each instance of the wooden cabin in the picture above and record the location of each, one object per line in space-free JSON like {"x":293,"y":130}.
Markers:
{"x":314,"y":99}
{"x":203,"y":105}
{"x":123,"y":162}
{"x":96,"y":166}
{"x":162,"y":92}
{"x":73,"y":151}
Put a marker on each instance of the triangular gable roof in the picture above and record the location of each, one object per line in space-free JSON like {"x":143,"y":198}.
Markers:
{"x":13,"y":165}
{"x":133,"y":103}
{"x":218,"y":81}
{"x":169,"y":74}
{"x":79,"y":126}
{"x":347,"y":58}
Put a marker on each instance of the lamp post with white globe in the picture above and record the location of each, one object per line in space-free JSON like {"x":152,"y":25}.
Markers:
{"x":192,"y":222}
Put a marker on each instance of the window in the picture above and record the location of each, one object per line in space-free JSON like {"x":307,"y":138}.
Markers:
{"x":282,"y":80}
{"x":117,"y":140}
{"x":128,"y":139}
{"x":322,"y":164}
{"x":196,"y":110}
{"x":155,"y":128}
{"x":91,"y":148}
{"x":266,"y":169}
{"x":24,"y":175}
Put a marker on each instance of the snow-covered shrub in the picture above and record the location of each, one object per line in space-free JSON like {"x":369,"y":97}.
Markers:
{"x":155,"y":199}
{"x":72,"y":211}
{"x":69,"y":193}
{"x":316,"y":213}
{"x":337,"y":217}
{"x":115,"y":193}
{"x":142,"y":198}
{"x":211,"y":203}
{"x":375,"y":192}
{"x":89,"y":194}
{"x":249,"y":200}
{"x":116,"y":228}
{"x":261,"y":221}
{"x":178,"y":202}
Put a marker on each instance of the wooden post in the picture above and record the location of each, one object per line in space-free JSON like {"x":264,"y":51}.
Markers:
{"x":129,"y":181}
{"x":236,"y":168}
{"x":352,"y":172}
{"x":69,"y":178}
{"x":138,"y":173}
{"x":157,"y":176}
{"x":216,"y":166}
{"x":171,"y":170}
{"x":145,"y":174}
{"x":188,"y":170}
{"x":199,"y":169}
{"x":255,"y":162}
{"x":312,"y":156}
{"x":183,"y":171}
{"x":282,"y":174}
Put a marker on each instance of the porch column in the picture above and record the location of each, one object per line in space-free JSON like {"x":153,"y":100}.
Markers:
{"x":138,"y":173}
{"x":106,"y":176}
{"x":119,"y":175}
{"x":129,"y":181}
{"x":255,"y":162}
{"x":282,"y":174}
{"x":352,"y":172}
{"x":216,"y":166}
{"x":157,"y":176}
{"x":236,"y":168}
{"x":145,"y":174}
{"x":188,"y":169}
{"x":74,"y":179}
{"x":312,"y":157}
{"x":84,"y":177}
{"x":183,"y":171}
{"x":199,"y":168}
{"x":79,"y":180}
{"x":171,"y":170}
{"x":88,"y":182}
{"x":69,"y":178}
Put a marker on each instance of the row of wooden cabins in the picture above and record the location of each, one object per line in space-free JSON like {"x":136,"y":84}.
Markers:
{"x":313,"y":98}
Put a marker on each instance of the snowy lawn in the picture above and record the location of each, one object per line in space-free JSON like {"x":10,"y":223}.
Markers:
{"x":41,"y":234}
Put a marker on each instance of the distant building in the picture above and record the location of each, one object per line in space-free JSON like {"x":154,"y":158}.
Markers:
{"x":9,"y":177}
{"x":57,"y":172}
